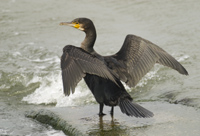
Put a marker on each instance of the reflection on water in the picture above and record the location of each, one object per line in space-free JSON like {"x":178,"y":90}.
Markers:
{"x":108,"y":128}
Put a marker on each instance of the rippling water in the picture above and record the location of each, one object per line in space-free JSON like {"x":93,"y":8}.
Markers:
{"x":31,"y":43}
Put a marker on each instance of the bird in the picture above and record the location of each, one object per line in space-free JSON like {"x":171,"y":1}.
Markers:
{"x":104,"y":75}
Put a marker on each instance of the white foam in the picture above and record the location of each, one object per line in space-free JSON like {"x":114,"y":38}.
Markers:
{"x":182,"y":58}
{"x":16,"y":54}
{"x":48,"y":92}
{"x":50,"y":60}
{"x":51,"y":91}
{"x":75,"y":99}
{"x":150,"y":75}
{"x":51,"y":88}
{"x":54,"y":133}
{"x":16,"y":33}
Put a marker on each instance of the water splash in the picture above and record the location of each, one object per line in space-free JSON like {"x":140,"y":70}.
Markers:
{"x":51,"y":92}
{"x":48,"y":92}
{"x":51,"y":89}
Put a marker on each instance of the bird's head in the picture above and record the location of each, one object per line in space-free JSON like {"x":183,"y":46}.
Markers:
{"x":82,"y":24}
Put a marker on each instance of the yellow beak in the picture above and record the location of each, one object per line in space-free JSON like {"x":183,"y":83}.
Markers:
{"x":77,"y":26}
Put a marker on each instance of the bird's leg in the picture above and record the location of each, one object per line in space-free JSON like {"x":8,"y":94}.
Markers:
{"x":112,"y":111}
{"x":101,"y":110}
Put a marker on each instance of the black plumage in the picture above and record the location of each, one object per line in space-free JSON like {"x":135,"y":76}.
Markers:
{"x":103,"y":74}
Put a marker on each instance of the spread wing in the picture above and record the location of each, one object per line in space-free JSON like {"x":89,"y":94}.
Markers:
{"x":136,"y":57}
{"x":75,"y":63}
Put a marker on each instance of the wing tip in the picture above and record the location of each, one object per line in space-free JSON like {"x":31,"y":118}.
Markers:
{"x":182,"y":70}
{"x":66,"y":93}
{"x":185,"y":72}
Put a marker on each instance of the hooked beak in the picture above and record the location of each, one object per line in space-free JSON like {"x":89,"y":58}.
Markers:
{"x":67,"y":23}
{"x":77,"y":26}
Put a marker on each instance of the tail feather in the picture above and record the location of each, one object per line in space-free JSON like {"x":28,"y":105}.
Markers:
{"x":133,"y":109}
{"x":127,"y":105}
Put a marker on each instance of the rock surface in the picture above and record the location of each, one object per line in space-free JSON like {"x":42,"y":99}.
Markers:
{"x":169,"y":119}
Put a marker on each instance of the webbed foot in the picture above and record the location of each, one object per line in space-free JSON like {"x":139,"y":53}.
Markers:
{"x":101,"y":114}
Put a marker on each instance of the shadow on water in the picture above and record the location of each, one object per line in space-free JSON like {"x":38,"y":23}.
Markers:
{"x":108,"y":128}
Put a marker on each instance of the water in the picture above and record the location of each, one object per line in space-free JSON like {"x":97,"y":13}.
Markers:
{"x":31,"y":43}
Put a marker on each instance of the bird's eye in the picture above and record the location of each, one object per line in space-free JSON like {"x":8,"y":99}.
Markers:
{"x":75,"y":23}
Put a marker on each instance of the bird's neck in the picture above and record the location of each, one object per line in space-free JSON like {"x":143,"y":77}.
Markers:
{"x":89,"y":41}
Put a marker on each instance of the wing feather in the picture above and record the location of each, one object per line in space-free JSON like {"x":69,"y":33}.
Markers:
{"x":137,"y":56}
{"x":75,"y":63}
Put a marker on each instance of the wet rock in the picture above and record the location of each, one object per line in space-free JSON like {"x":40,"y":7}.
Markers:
{"x":52,"y":119}
{"x":169,"y":119}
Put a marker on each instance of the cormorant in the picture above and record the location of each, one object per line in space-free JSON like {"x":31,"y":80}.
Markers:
{"x":103,"y":74}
